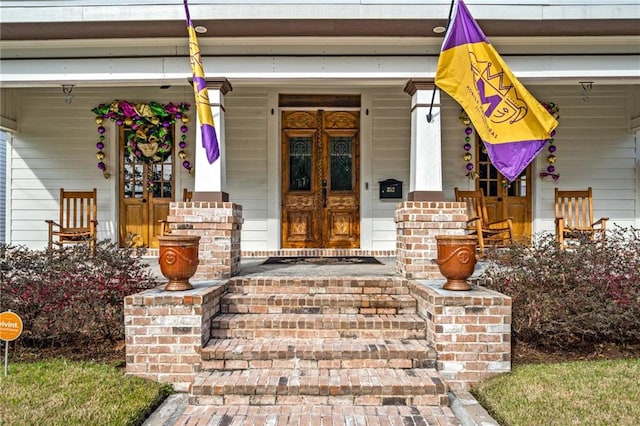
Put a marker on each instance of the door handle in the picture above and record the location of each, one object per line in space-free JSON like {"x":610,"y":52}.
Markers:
{"x":499,"y":198}
{"x":324,"y":197}
{"x":144,"y":200}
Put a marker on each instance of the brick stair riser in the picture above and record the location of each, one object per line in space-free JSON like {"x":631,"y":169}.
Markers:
{"x":319,"y":304}
{"x":346,"y":400}
{"x":318,"y":322}
{"x":311,"y":289}
{"x":405,"y":363}
{"x":323,"y":382}
{"x":318,"y":286}
{"x":315,"y":334}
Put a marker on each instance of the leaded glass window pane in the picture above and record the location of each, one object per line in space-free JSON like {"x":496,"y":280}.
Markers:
{"x":300,"y":163}
{"x":341,"y":163}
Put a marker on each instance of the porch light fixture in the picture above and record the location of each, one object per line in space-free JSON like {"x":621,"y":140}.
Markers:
{"x":66,"y":90}
{"x":586,"y":89}
{"x":200,"y":29}
{"x":439,"y":29}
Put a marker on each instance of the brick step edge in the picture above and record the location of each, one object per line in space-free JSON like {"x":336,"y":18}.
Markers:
{"x":381,"y":304}
{"x":370,"y":382}
{"x":343,"y":322}
{"x":312,"y":288}
{"x":344,"y":400}
{"x":307,"y":285}
{"x":318,"y":414}
{"x":300,"y":350}
{"x":318,"y":333}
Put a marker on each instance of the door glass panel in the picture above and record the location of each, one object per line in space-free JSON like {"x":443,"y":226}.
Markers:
{"x":300,"y":163}
{"x":160,"y":179}
{"x":518,"y":188}
{"x":341,"y":163}
{"x":488,"y":175}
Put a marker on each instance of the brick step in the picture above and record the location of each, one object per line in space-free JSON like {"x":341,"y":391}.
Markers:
{"x":356,"y":386}
{"x":319,"y":304}
{"x":318,"y":285}
{"x":296,"y":415}
{"x":248,"y":326}
{"x":230,"y":354}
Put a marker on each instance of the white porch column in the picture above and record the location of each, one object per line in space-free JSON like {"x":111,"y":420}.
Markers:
{"x":210,"y":179}
{"x":425,"y":183}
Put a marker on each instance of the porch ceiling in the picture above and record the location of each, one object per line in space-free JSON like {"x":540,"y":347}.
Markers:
{"x":36,"y":31}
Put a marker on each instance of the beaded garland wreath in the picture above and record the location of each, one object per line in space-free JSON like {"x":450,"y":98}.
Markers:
{"x":150,"y":139}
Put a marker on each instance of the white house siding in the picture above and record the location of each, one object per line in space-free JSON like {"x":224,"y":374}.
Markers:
{"x":391,"y":150}
{"x":54,"y":147}
{"x":596,"y":149}
{"x":246,"y":156}
{"x":3,"y":184}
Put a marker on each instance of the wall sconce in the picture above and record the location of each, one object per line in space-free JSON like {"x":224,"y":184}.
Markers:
{"x":586,"y":89}
{"x":67,"y":89}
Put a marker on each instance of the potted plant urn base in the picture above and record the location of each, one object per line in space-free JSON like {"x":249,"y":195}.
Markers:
{"x":178,"y":260}
{"x":456,"y":260}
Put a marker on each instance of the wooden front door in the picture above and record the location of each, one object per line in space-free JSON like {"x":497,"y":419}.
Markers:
{"x":504,"y":199}
{"x":320,"y":179}
{"x":146,"y":189}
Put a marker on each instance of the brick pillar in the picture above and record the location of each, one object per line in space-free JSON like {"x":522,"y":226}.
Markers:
{"x":470,"y":330}
{"x":219,"y":226}
{"x":417,"y":224}
{"x":165,"y":332}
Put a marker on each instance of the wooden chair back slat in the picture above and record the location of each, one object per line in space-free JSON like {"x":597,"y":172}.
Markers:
{"x":77,"y":220}
{"x":574,"y":215}
{"x":187,"y":196}
{"x":78,"y":208}
{"x":497,"y":233}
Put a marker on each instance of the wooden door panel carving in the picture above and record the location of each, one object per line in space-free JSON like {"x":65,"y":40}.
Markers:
{"x":320,"y":179}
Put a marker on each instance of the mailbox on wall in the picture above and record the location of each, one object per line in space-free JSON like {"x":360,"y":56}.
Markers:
{"x":390,"y":189}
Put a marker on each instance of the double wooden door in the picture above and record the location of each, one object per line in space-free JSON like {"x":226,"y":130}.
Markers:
{"x":320,"y":179}
{"x":146,"y":189}
{"x":504,"y":199}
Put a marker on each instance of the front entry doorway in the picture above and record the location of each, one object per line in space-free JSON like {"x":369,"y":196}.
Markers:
{"x":146,"y":187}
{"x":504,"y":199}
{"x":320,"y":179}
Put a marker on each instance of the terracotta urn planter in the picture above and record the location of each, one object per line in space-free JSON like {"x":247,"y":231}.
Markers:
{"x":178,"y":260}
{"x":456,"y":260}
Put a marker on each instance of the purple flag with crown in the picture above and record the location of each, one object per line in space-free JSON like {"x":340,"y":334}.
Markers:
{"x":511,"y":122}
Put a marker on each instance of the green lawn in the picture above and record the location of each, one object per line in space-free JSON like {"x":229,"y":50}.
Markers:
{"x":572,"y":393}
{"x":61,"y":392}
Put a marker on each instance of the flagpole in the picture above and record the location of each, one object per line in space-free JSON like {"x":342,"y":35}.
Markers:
{"x":433,"y":95}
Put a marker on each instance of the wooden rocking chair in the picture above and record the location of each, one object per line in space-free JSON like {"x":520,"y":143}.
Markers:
{"x":78,"y":219}
{"x":574,"y":217}
{"x":498,"y":233}
{"x":187,"y":196}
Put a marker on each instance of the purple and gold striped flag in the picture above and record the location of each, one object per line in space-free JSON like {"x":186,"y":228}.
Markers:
{"x":511,"y":122}
{"x":203,"y":107}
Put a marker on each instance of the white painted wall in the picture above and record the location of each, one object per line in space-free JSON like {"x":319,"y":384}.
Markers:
{"x":54,"y":147}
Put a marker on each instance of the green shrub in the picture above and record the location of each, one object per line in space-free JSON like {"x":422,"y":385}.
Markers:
{"x":569,"y":299}
{"x":68,"y":294}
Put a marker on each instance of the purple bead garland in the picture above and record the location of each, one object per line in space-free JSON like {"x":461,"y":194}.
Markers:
{"x":552,"y":109}
{"x":135,"y":116}
{"x":467,"y":147}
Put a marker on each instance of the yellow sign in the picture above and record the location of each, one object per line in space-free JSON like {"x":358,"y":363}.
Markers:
{"x":10,"y":326}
